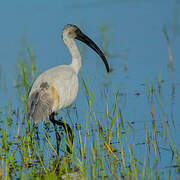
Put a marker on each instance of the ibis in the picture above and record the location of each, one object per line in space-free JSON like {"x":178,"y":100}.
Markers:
{"x":57,"y":87}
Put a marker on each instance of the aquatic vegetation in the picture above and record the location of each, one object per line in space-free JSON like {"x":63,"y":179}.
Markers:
{"x":106,"y":144}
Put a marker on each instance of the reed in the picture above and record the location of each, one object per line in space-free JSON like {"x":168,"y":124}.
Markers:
{"x":104,"y":147}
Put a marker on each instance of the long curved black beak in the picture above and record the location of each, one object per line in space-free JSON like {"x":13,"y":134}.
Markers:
{"x":82,"y":37}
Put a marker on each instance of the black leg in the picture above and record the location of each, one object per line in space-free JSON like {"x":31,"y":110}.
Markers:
{"x":67,"y":129}
{"x":58,"y":137}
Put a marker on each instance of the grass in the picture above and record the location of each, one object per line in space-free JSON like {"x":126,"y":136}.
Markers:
{"x":104,"y":147}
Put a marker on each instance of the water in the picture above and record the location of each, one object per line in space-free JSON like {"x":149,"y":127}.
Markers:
{"x":131,"y":34}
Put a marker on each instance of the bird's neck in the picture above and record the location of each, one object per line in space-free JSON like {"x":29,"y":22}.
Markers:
{"x":76,"y":57}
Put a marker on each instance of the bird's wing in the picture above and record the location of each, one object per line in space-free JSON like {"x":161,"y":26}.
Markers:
{"x":40,"y":103}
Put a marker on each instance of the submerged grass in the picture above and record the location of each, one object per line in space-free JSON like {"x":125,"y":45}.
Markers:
{"x":105,"y":147}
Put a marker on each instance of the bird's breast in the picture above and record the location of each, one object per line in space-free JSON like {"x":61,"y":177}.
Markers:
{"x":65,"y":92}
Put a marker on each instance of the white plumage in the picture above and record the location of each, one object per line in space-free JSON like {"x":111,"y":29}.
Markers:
{"x":57,"y":87}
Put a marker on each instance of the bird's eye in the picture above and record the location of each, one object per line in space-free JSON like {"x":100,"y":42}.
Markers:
{"x":70,"y":33}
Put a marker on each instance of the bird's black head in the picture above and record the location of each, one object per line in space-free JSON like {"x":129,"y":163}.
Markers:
{"x":73,"y":32}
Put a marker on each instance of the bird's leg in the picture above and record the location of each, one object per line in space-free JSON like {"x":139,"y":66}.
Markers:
{"x":69,"y":134}
{"x":66,"y":127}
{"x":58,"y":137}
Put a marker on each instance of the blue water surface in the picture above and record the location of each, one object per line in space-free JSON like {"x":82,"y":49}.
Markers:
{"x":136,"y":50}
